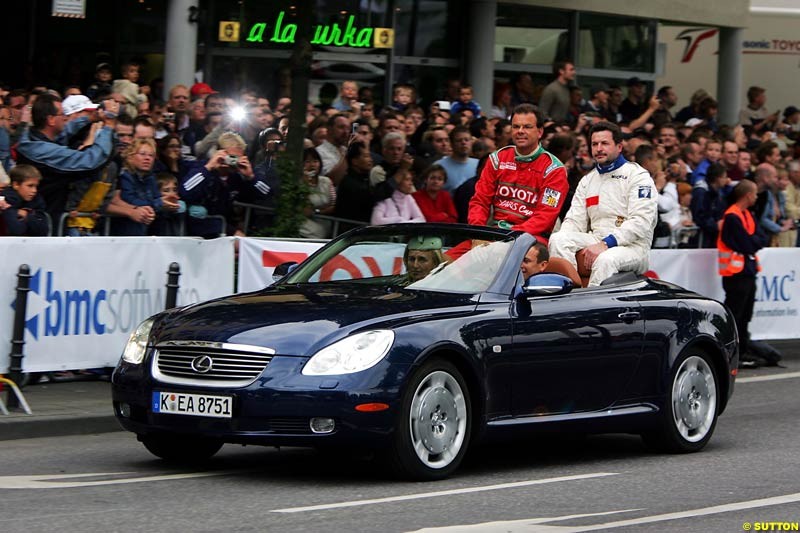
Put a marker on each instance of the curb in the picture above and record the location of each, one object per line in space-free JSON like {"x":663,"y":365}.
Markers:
{"x":57,"y":426}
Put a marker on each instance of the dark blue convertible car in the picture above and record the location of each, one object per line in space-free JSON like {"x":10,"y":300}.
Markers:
{"x":416,"y":341}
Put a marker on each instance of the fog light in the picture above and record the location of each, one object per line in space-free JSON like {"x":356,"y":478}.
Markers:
{"x":322,"y":425}
{"x":125,"y":410}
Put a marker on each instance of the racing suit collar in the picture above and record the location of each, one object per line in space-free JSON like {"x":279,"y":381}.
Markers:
{"x":618,"y":162}
{"x":528,"y":158}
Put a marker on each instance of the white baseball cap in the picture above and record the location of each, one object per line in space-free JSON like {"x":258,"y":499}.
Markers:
{"x":77,"y":102}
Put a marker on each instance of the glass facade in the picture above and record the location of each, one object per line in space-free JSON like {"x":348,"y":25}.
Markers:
{"x":531,"y":35}
{"x":616,"y":43}
{"x":430,"y":43}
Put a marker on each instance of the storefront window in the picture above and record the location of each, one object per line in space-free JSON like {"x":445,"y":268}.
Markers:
{"x":616,"y":43}
{"x":531,"y":35}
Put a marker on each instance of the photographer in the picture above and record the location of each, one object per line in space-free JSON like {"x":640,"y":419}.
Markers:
{"x":270,"y":141}
{"x":60,"y":165}
{"x":210,"y":188}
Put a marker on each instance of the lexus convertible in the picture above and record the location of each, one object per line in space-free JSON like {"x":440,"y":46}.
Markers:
{"x":417,"y":341}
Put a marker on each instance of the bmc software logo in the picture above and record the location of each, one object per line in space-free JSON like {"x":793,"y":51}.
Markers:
{"x":57,"y":308}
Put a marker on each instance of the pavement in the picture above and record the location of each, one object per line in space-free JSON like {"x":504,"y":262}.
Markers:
{"x":83,"y":407}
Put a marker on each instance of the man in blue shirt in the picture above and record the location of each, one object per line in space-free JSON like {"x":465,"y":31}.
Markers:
{"x":459,"y":165}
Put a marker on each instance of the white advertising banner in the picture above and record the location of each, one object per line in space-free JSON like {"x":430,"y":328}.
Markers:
{"x":259,"y":257}
{"x":777,"y":298}
{"x":88,"y":294}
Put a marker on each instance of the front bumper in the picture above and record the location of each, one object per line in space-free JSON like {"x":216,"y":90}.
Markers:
{"x":276,"y":409}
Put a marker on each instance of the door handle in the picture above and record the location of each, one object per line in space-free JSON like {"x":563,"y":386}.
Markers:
{"x":630,"y":316}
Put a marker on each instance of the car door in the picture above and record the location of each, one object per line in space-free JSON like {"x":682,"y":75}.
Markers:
{"x":574,"y":352}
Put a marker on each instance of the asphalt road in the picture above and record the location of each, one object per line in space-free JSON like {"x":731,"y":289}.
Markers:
{"x":749,"y":473}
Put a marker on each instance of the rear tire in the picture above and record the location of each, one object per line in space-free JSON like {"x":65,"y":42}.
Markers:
{"x":180,"y":449}
{"x":432,"y":433}
{"x":691,"y":407}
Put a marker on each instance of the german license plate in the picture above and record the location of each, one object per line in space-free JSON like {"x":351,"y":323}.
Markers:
{"x":180,"y":403}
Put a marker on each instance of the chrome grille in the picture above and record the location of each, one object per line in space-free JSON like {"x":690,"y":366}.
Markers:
{"x":210,"y":364}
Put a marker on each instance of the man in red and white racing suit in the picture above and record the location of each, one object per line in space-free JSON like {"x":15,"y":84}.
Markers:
{"x":522,"y":186}
{"x":613,"y":213}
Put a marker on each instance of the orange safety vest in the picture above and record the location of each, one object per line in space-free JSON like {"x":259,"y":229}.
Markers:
{"x":730,"y":262}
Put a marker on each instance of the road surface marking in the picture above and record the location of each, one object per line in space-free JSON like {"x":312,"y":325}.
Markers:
{"x":539,"y":525}
{"x":512,"y":525}
{"x":436,"y":494}
{"x":753,"y":379}
{"x":52,"y":481}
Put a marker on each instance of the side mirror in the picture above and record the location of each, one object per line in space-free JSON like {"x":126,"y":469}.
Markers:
{"x":547,"y":284}
{"x":283,"y":269}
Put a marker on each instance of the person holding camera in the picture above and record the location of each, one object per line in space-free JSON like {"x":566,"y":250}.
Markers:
{"x":210,"y":187}
{"x":43,"y":147}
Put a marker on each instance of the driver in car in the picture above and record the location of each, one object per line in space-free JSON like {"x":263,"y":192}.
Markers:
{"x":423,"y":253}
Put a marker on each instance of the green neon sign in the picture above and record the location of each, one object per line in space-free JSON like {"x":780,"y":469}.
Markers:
{"x":324,"y":34}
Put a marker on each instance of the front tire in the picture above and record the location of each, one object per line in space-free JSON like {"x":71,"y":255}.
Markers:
{"x":691,"y":408}
{"x":432,"y":433}
{"x":180,"y":449}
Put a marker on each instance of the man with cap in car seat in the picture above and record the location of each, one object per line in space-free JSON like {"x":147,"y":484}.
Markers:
{"x":613,"y":213}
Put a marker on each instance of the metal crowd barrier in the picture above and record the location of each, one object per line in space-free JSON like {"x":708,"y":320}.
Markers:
{"x":336,"y":221}
{"x":106,"y":231}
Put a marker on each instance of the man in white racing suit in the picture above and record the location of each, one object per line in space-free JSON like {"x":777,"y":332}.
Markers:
{"x":613,"y":213}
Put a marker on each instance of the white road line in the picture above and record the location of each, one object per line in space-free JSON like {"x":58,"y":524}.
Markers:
{"x":53,"y":481}
{"x":436,"y":494}
{"x":540,"y":525}
{"x":716,"y":509}
{"x":753,"y":379}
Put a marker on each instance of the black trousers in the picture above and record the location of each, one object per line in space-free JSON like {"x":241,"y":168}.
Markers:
{"x":740,"y":297}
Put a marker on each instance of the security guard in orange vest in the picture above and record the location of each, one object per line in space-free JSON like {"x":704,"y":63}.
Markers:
{"x":738,"y":241}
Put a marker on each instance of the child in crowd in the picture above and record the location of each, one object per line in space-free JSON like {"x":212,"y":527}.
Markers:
{"x":402,"y":96}
{"x":169,"y":223}
{"x":102,"y":82}
{"x":25,"y":215}
{"x":128,"y":87}
{"x":465,"y":102}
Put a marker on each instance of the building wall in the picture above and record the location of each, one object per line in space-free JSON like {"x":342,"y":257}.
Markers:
{"x":770,"y":59}
{"x":731,"y":13}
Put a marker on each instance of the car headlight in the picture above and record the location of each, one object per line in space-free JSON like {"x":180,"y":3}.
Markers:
{"x":352,"y":354}
{"x":137,"y":343}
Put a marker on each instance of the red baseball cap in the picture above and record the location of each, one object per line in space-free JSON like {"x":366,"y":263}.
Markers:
{"x":200,"y":89}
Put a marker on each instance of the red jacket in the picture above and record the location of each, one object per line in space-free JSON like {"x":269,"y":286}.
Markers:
{"x":440,"y":210}
{"x":526,"y":192}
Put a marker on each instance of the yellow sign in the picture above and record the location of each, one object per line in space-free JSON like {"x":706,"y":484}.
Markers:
{"x":229,"y":31}
{"x":384,"y":37}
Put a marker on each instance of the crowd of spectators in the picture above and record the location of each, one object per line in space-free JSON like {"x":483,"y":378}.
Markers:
{"x":112,"y":150}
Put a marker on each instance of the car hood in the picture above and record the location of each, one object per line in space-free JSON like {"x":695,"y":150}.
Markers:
{"x":298,"y":320}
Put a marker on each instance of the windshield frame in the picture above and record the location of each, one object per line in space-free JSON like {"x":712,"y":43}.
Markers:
{"x":305,"y":271}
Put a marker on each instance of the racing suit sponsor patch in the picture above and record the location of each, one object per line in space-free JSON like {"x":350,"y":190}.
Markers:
{"x":592,"y":200}
{"x":551,"y":197}
{"x":644,"y":191}
{"x":508,"y":165}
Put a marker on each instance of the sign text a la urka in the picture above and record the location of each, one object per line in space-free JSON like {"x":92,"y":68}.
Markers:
{"x":324,"y":34}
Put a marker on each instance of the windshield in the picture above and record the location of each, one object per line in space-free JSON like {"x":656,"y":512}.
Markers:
{"x":416,"y":258}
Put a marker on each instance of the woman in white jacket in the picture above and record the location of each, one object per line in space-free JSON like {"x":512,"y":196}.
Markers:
{"x":400,"y":206}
